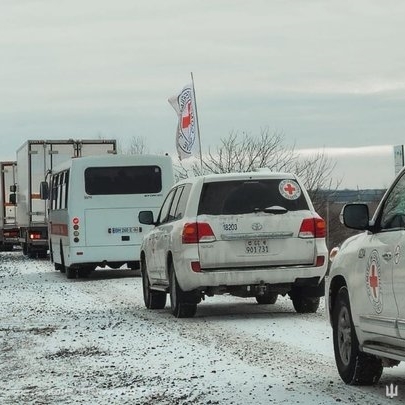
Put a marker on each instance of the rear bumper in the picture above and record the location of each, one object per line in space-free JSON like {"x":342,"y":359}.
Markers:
{"x":102,"y":254}
{"x":308,"y":278}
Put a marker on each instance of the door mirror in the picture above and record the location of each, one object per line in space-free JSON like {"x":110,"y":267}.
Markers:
{"x":146,"y":217}
{"x":355,"y":216}
{"x":44,"y":190}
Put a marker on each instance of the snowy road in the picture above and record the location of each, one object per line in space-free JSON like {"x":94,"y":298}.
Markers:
{"x":92,"y":341}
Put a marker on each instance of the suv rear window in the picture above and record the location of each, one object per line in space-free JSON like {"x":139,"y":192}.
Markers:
{"x":241,"y":197}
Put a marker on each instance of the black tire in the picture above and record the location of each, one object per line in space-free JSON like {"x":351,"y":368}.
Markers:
{"x":180,"y":305}
{"x":62,"y":267}
{"x":354,"y":366}
{"x":153,"y":299}
{"x":71,"y":272}
{"x":305,"y":305}
{"x":85,"y":271}
{"x":43,"y":254}
{"x":266,"y":299}
{"x":51,"y":252}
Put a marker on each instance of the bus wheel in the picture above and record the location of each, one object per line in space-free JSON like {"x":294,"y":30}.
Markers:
{"x":84,"y":272}
{"x":70,"y":272}
{"x":62,"y":266}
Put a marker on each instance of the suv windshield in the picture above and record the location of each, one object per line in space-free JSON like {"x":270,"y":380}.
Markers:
{"x":241,"y":197}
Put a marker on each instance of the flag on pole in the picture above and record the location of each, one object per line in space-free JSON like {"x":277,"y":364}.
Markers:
{"x":187,"y":133}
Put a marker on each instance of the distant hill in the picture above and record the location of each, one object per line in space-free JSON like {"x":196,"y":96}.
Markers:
{"x":346,"y":196}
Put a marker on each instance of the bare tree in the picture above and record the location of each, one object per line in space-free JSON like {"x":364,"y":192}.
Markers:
{"x":137,"y":146}
{"x":316,"y":172}
{"x":246,"y":153}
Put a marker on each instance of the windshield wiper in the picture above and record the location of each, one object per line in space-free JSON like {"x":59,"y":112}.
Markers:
{"x":275,"y":209}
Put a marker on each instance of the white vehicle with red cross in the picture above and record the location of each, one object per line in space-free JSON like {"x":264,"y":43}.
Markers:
{"x":245,"y":234}
{"x":365,"y":289}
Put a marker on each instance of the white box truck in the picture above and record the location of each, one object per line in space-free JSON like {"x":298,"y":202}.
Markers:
{"x":35,"y":161}
{"x":8,"y":221}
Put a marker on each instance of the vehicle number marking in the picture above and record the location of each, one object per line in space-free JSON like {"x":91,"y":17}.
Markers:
{"x":257,"y":246}
{"x":230,"y":227}
{"x":125,"y":229}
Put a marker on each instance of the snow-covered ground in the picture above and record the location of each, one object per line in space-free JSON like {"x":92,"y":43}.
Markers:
{"x":92,"y":341}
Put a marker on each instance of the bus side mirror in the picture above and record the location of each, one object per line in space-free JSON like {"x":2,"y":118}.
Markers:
{"x":13,"y":198}
{"x":44,"y":190}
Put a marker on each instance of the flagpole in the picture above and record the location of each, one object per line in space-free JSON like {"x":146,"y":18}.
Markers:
{"x":198,"y":123}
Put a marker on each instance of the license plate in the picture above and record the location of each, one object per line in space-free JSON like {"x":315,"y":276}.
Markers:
{"x":257,"y":246}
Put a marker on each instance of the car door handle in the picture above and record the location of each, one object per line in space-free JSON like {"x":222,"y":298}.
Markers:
{"x":387,"y":256}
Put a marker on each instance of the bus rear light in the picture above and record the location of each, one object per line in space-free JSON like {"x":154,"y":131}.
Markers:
{"x":35,"y":235}
{"x":75,"y":221}
{"x":76,"y":240}
{"x":196,"y":232}
{"x":75,"y":227}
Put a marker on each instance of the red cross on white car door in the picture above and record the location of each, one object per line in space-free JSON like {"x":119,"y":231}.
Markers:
{"x":373,"y":298}
{"x":399,"y":282}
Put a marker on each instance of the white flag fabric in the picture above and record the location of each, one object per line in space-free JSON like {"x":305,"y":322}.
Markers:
{"x":187,"y":136}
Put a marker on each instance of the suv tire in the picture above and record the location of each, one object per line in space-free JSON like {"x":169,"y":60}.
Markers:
{"x":268,"y":298}
{"x":354,"y":366}
{"x":303,"y":304}
{"x":153,"y":299}
{"x":178,"y":298}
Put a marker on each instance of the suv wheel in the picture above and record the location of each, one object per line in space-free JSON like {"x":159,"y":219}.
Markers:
{"x":304,"y":305}
{"x":268,"y":298}
{"x":179,"y":305}
{"x":354,"y":366}
{"x":152,"y":299}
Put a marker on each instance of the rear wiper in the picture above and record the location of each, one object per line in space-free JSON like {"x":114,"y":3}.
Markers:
{"x":275,"y":209}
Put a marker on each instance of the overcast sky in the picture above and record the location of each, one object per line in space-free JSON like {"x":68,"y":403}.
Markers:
{"x":326,"y":74}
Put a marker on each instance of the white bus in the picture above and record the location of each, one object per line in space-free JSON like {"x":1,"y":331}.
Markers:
{"x":93,"y":208}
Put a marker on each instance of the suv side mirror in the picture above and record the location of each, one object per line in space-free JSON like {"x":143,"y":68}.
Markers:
{"x":44,"y":190}
{"x":356,"y":216}
{"x":146,"y":217}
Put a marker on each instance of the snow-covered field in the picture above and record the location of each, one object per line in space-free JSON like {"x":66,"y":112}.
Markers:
{"x":92,"y":341}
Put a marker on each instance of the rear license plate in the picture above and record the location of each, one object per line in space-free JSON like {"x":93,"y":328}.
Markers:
{"x":257,"y":246}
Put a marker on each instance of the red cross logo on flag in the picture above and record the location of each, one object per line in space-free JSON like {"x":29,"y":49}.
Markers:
{"x":187,"y":135}
{"x":186,"y":116}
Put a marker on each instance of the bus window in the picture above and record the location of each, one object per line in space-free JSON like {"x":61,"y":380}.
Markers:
{"x":123,"y":180}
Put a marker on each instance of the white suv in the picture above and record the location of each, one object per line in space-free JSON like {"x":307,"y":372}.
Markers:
{"x":365,"y":291}
{"x":247,"y":234}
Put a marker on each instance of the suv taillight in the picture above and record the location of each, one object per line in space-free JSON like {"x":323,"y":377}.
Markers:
{"x":196,"y":232}
{"x":312,"y":228}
